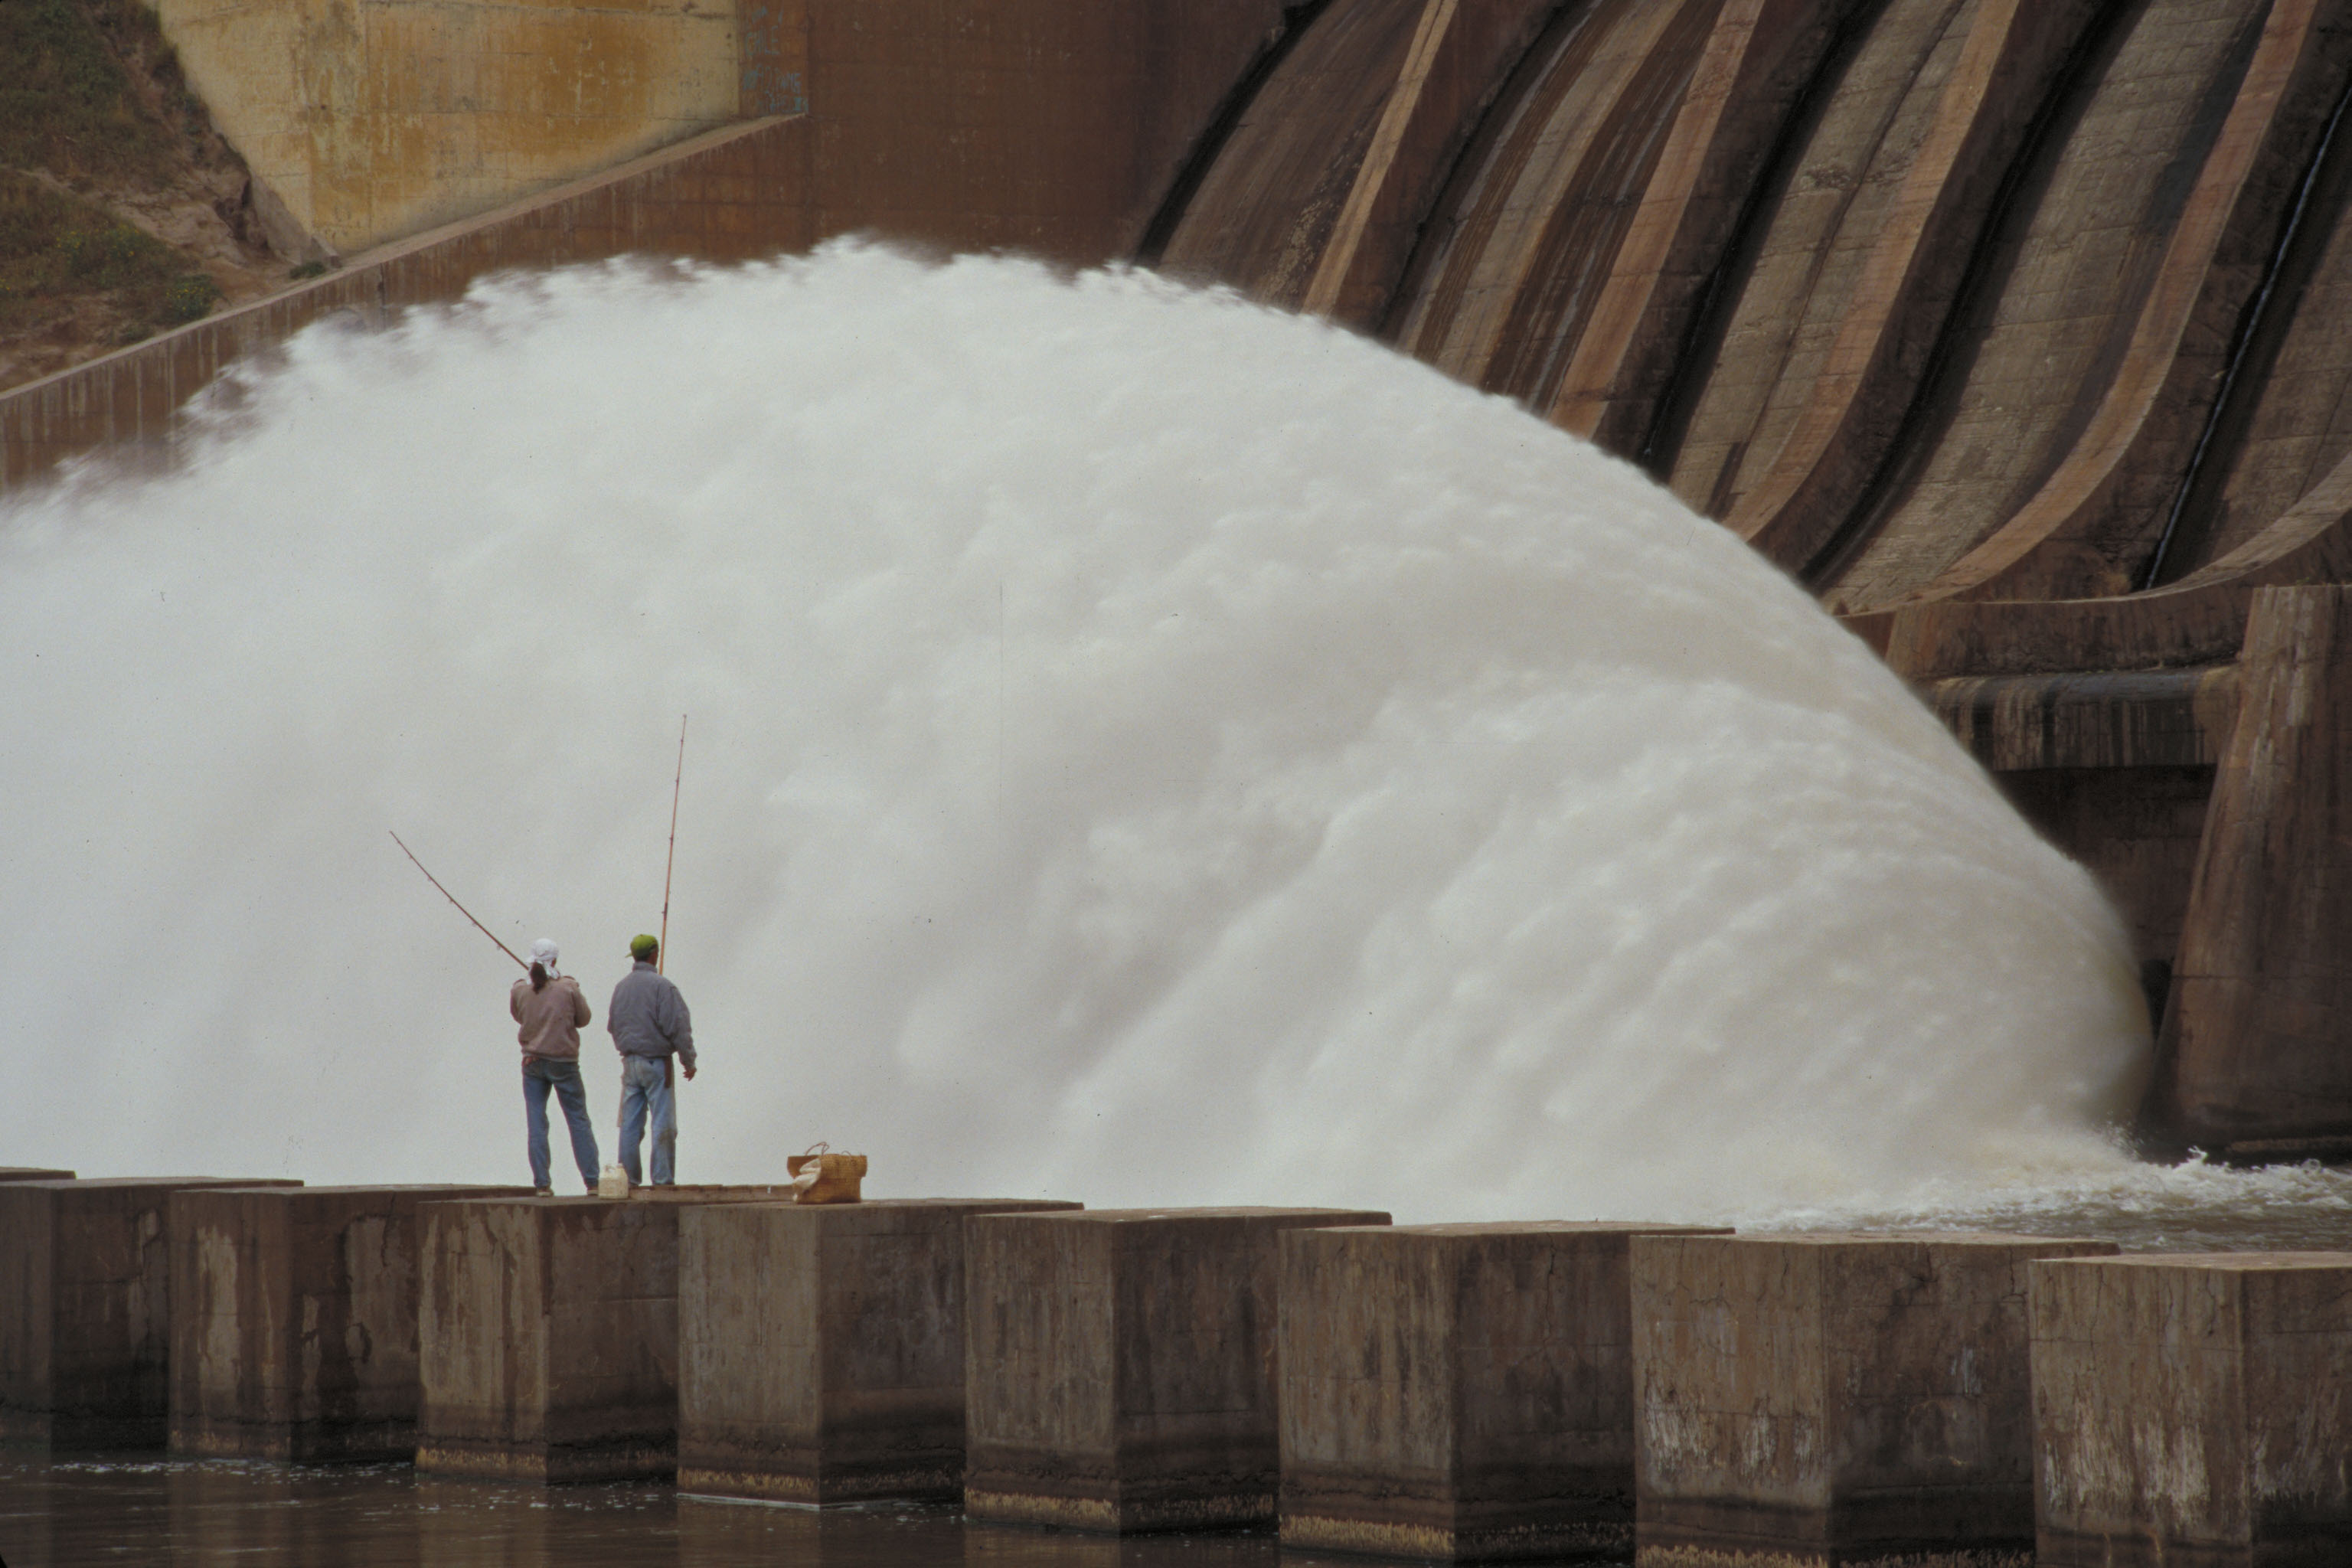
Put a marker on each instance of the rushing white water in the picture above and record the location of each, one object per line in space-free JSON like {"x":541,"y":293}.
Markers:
{"x":1144,"y":748}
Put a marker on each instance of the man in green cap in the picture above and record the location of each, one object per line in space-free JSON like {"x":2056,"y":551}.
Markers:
{"x":649,"y":1024}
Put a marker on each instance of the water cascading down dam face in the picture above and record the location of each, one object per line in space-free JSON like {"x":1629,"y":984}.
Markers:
{"x":1145,"y":748}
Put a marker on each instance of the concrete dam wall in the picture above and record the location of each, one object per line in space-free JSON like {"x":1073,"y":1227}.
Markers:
{"x":2010,"y":328}
{"x":1677,"y":1396}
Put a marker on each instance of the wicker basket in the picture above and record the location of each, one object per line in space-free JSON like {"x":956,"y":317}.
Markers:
{"x":835,"y":1180}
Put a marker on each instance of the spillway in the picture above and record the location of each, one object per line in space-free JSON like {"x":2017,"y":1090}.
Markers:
{"x":1143,"y":744}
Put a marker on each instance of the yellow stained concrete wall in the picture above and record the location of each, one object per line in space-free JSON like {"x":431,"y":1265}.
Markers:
{"x":372,"y":120}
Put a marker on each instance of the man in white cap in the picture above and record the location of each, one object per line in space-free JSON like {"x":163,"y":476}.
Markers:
{"x":551,"y":1009}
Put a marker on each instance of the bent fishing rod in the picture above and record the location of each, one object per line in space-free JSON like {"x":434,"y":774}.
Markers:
{"x":661,"y":954}
{"x":461,"y":909}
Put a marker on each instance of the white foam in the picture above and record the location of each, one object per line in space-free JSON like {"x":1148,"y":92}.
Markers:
{"x":1144,"y":748}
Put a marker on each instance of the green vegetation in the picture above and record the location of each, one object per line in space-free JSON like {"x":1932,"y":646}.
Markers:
{"x":190,"y":297}
{"x":52,"y":245}
{"x":67,"y":105}
{"x":91,"y":96}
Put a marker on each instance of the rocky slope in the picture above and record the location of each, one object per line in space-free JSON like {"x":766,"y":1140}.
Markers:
{"x":122,"y":211}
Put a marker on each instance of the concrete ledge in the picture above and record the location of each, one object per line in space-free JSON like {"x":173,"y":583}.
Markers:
{"x":547,"y":1333}
{"x":296,"y":1333}
{"x":1119,"y":1367}
{"x":1461,"y":1391}
{"x":86,"y":1311}
{"x":2135,"y":718}
{"x":821,"y":1355}
{"x":1834,"y":1399}
{"x":2193,"y":1410}
{"x":33,"y":1173}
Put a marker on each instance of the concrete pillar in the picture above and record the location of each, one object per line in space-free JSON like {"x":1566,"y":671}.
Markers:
{"x":821,"y":1348}
{"x":2251,"y":1060}
{"x":1119,"y":1365}
{"x":547,"y":1335}
{"x":2193,"y":1410}
{"x":295,"y":1333}
{"x":1809,"y":1399}
{"x":1460,"y":1392}
{"x":86,"y":1309}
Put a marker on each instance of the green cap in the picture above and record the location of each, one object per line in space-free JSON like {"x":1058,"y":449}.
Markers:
{"x":642,"y":946}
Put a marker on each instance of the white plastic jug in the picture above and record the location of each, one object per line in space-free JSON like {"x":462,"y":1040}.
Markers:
{"x":613,"y":1183}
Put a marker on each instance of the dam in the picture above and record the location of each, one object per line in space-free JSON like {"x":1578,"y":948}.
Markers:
{"x":1255,"y":575}
{"x":1830,"y":272}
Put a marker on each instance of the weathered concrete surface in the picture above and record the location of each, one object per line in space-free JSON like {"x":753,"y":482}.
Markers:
{"x":86,"y":1309}
{"x":1054,"y":127}
{"x":1119,"y":1365}
{"x":1519,"y":250}
{"x":1315,"y":199}
{"x":2114,"y":769}
{"x":821,"y":1347}
{"x":2095,"y":524}
{"x":1753,"y":74}
{"x":1462,"y":1391}
{"x":1814,"y":256}
{"x":369,"y":123}
{"x":547,"y":1335}
{"x":1813,"y":1400}
{"x":2252,"y":1050}
{"x":294,"y":1329}
{"x":2100,"y":343}
{"x":2194,"y":1411}
{"x":1863,"y":311}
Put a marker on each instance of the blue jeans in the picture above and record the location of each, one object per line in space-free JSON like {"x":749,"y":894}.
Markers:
{"x":540,"y":1074}
{"x":644,"y":1086}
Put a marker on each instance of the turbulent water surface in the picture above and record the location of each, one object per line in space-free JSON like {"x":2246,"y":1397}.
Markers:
{"x":1144,"y":748}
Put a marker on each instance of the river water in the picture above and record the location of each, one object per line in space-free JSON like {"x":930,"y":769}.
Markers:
{"x":159,"y":1513}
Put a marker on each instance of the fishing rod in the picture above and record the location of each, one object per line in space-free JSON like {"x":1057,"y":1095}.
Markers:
{"x":661,"y":954}
{"x":461,"y":909}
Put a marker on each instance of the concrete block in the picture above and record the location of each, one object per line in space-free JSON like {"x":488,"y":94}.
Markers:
{"x":1815,"y":1401}
{"x":2194,"y":1411}
{"x":547,"y":1335}
{"x":295,"y":1333}
{"x":1119,"y":1365}
{"x":86,"y":1309}
{"x":1461,"y":1392}
{"x":821,"y":1355}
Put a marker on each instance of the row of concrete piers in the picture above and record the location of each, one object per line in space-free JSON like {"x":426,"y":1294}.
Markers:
{"x":1681,"y":1396}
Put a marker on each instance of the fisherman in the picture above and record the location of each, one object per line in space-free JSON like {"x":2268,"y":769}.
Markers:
{"x":548,"y":1006}
{"x":649,"y":1022}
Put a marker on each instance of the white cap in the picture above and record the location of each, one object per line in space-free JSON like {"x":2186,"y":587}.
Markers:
{"x":542,"y":952}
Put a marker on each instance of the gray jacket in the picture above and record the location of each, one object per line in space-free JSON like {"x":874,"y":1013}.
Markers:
{"x":648,"y":1017}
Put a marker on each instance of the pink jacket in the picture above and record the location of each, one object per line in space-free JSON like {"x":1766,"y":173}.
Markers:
{"x":551,"y":1018}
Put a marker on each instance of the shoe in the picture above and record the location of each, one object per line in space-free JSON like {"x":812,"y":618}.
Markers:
{"x":543,"y":1192}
